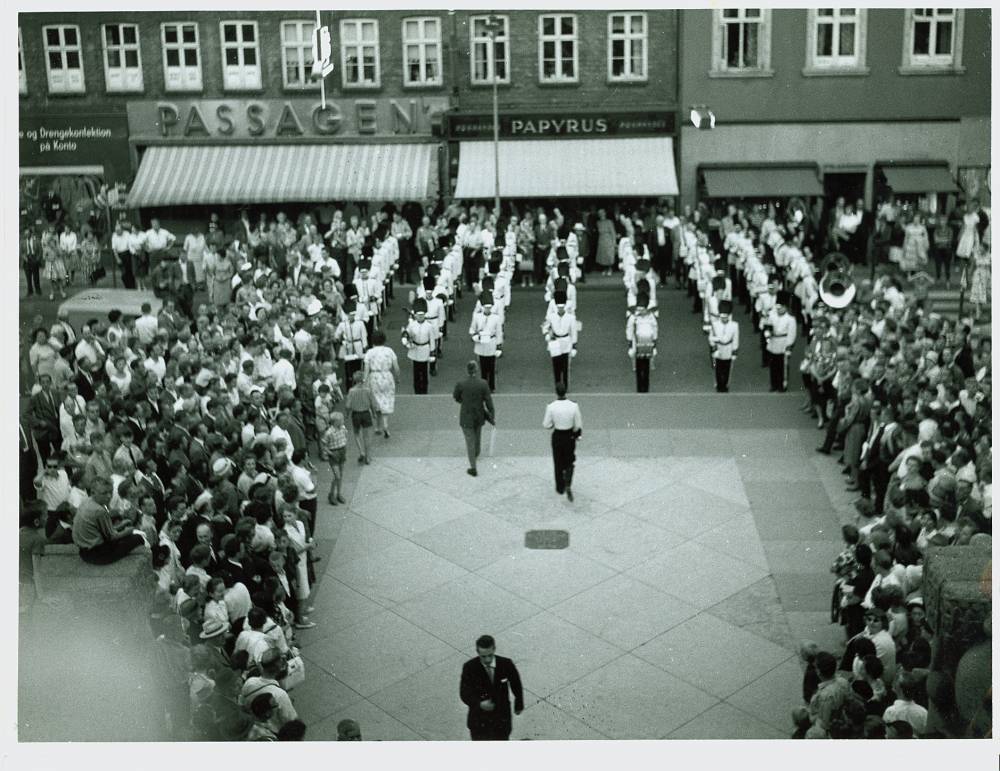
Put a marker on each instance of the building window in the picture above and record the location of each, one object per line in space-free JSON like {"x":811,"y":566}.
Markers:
{"x":422,"y":52}
{"x":297,"y":38}
{"x":240,"y":56}
{"x":489,"y":60}
{"x":359,"y":52}
{"x":181,"y":57}
{"x":557,"y":50}
{"x":22,"y":78}
{"x":932,"y":39}
{"x":62,"y":59}
{"x":836,"y":41}
{"x":122,"y":62}
{"x":627,"y":46}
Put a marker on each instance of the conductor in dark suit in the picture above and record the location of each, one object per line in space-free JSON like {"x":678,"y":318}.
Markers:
{"x":473,"y":394}
{"x":661,"y":248}
{"x":487,"y":681}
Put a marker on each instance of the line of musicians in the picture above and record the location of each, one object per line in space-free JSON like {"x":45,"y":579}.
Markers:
{"x":561,"y":327}
{"x":641,"y":327}
{"x":366,"y":299}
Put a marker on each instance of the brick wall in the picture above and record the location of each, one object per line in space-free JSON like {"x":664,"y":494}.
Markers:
{"x":592,"y":89}
{"x":97,"y":98}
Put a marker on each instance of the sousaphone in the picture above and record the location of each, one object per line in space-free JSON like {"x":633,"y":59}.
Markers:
{"x":836,"y":287}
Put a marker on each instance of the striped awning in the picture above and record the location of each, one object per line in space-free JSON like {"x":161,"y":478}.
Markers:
{"x":237,"y":174}
{"x":632,"y":167}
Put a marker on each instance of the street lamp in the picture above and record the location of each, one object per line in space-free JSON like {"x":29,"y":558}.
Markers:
{"x":494,"y":26}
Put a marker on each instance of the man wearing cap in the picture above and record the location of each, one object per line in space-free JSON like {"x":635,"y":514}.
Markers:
{"x":764,"y":307}
{"x":487,"y":335}
{"x":418,"y":337}
{"x":724,"y":341}
{"x":369,"y":293}
{"x":642,"y":283}
{"x":564,"y":418}
{"x":352,"y":337}
{"x":780,"y":337}
{"x":559,"y":329}
{"x":641,"y":331}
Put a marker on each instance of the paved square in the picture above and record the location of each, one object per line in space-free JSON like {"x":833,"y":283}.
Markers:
{"x":673,"y":613}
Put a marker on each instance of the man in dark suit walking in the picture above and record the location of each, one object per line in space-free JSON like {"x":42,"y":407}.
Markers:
{"x":473,"y":394}
{"x":485,"y":688}
{"x":45,"y":417}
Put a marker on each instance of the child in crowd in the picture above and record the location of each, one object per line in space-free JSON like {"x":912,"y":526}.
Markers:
{"x":333,"y":449}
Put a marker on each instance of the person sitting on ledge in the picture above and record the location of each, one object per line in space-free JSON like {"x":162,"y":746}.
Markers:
{"x":100,"y":542}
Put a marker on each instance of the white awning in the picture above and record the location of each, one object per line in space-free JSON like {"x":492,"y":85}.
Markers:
{"x":634,"y":167}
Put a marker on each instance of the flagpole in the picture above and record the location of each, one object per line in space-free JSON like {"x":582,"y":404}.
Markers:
{"x":322,"y":80}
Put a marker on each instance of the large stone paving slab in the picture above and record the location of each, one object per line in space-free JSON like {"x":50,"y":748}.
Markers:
{"x":631,"y":699}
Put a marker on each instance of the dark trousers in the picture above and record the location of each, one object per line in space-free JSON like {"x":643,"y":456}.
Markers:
{"x":563,"y":458}
{"x":28,"y":468}
{"x":125,"y":264}
{"x":722,"y":369}
{"x":308,"y":505}
{"x":490,"y":733}
{"x":778,"y":364}
{"x":472,"y":436}
{"x":48,"y":441}
{"x":880,"y":485}
{"x":470,"y":263}
{"x":420,"y":377}
{"x":541,"y":255}
{"x":560,"y":369}
{"x":942,"y":261}
{"x":642,"y":374}
{"x":488,"y":369}
{"x":350,"y":367}
{"x":32,"y":276}
{"x":111,"y":551}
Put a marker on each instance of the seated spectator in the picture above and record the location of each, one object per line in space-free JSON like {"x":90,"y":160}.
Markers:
{"x":100,"y":542}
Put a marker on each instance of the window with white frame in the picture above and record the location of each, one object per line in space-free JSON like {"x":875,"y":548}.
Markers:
{"x":627,"y":46}
{"x":422,"y":52}
{"x":240,"y":55}
{"x":359,"y":52}
{"x":490,"y":54}
{"x":557,"y":49}
{"x":297,"y":39}
{"x":933,"y":38}
{"x":836,"y":41}
{"x":181,"y":57}
{"x":741,"y":41}
{"x":122,"y":62}
{"x":22,"y":78}
{"x":62,"y":59}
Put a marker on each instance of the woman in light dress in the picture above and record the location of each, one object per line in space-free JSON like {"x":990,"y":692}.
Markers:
{"x":69,"y":250}
{"x":979,"y":294}
{"x":55,"y":265}
{"x":915,"y":245}
{"x":605,"y":242}
{"x":381,"y":371}
{"x":968,"y":238}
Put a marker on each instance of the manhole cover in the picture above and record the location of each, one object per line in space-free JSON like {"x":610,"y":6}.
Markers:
{"x":546,"y":539}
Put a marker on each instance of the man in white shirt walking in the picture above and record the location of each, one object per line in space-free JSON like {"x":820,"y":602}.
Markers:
{"x":564,"y":418}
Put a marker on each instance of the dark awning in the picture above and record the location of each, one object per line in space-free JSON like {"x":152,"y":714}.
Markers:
{"x":761,"y":181}
{"x":930,"y":178}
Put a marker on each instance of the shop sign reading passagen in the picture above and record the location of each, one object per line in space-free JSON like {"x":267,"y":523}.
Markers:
{"x":262,"y":119}
{"x":568,"y":125}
